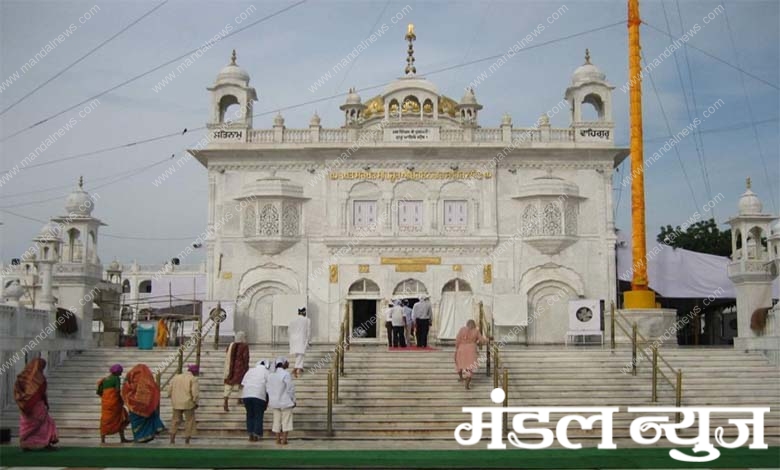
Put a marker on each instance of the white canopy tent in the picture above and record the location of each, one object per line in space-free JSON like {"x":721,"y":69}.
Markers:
{"x":680,"y":273}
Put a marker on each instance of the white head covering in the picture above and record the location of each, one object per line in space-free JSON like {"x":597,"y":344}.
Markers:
{"x":240,"y":337}
{"x":262,"y":363}
{"x":280,"y":360}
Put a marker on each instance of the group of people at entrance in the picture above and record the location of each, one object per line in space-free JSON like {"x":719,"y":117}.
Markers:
{"x":403,"y":323}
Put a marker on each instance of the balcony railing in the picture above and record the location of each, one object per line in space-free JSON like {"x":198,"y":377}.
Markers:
{"x":593,"y":134}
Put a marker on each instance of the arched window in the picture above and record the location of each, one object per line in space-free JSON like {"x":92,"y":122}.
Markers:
{"x":594,"y":109}
{"x":229,"y":109}
{"x":74,"y":245}
{"x":364,"y":287}
{"x":410,"y":288}
{"x":456,"y":285}
{"x":126,"y":286}
{"x":411,"y":105}
{"x":393,"y":106}
{"x":756,"y":243}
{"x":428,"y":106}
{"x":145,"y":287}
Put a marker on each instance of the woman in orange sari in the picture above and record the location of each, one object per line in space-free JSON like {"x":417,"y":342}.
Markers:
{"x":142,"y":397}
{"x":113,"y":416}
{"x":36,"y":428}
{"x":466,"y":353}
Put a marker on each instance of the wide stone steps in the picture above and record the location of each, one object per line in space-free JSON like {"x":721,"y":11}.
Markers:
{"x":415,"y":395}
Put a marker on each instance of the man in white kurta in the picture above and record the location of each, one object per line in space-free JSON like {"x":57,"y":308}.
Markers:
{"x":299,"y":333}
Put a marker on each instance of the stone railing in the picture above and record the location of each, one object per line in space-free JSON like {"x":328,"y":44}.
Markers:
{"x":261,"y":136}
{"x":488,"y":135}
{"x":167,"y":268}
{"x":79,"y":269}
{"x":749,"y":267}
{"x":452,"y":135}
{"x":594,"y":133}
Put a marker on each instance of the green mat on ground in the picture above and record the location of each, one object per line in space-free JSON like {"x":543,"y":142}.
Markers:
{"x":138,"y":456}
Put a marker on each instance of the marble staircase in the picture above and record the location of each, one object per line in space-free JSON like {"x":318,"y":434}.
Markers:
{"x":415,"y":396}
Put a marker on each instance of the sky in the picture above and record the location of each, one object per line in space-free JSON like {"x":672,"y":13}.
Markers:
{"x":286,"y":54}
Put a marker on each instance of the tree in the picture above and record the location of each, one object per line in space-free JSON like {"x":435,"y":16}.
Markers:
{"x":703,"y":237}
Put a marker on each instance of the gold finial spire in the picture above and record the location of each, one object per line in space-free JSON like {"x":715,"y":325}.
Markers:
{"x":233,"y":58}
{"x":587,"y":56}
{"x":411,"y":37}
{"x":81,"y":182}
{"x":747,"y":182}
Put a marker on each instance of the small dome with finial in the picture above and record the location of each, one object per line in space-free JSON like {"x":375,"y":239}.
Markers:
{"x":114,"y":266}
{"x":233,"y":73}
{"x":79,"y":203}
{"x":50,"y":231}
{"x":278,"y":119}
{"x":353,"y":97}
{"x":469,"y":97}
{"x":506,"y":120}
{"x":315,"y":120}
{"x":749,"y":203}
{"x":587,"y":72}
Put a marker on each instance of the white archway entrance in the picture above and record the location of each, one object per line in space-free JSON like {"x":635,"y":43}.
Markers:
{"x":256,"y":316}
{"x":548,"y":319}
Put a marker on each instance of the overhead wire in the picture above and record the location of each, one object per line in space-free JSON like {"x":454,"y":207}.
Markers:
{"x":143,"y":74}
{"x":352,"y":63}
{"x":123,"y":176}
{"x":138,"y":20}
{"x":124,"y":237}
{"x":697,"y":140}
{"x":312,"y":101}
{"x":713,"y":56}
{"x":750,"y":112}
{"x":669,"y":129}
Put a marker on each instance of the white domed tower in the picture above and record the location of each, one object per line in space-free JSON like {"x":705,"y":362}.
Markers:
{"x":79,"y":269}
{"x":589,"y":86}
{"x":751,"y":268}
{"x":231,"y":88}
{"x":353,"y":109}
{"x":468,"y":108}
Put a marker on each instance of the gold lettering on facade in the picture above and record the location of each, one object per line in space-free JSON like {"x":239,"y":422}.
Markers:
{"x":411,"y":268}
{"x":363,"y":268}
{"x":393,"y":176}
{"x":334,"y":273}
{"x":457,"y":268}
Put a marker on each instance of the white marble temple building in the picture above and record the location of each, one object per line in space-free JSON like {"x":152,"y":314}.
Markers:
{"x":410,"y":195}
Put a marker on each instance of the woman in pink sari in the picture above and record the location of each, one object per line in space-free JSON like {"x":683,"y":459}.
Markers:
{"x":466,"y":353}
{"x":36,"y":428}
